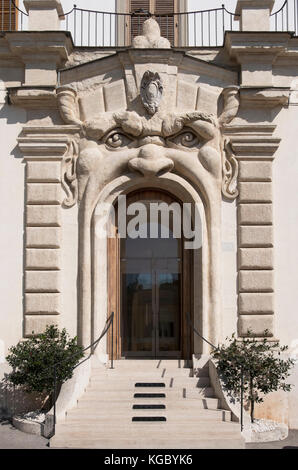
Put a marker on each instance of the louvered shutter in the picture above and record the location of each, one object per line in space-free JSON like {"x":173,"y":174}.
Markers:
{"x":137,"y":21}
{"x":166,"y":23}
{"x":166,"y":8}
{"x":8,"y":15}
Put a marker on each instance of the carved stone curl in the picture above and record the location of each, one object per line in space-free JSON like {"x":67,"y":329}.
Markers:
{"x":151,"y":91}
{"x":69,"y":174}
{"x":229,"y":171}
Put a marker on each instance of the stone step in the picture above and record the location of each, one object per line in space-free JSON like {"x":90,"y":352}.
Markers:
{"x":128,"y":428}
{"x":115,"y":402}
{"x":76,"y":416}
{"x":151,"y":364}
{"x":170,"y":394}
{"x":128,"y":382}
{"x":230,"y":442}
{"x":143,"y":372}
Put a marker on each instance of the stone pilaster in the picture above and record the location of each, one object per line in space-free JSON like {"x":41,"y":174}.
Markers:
{"x":43,"y":150}
{"x":254,"y":148}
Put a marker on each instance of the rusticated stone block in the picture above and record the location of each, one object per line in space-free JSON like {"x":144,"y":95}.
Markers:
{"x":49,"y":172}
{"x":44,"y":193}
{"x":255,"y":171}
{"x":39,"y":216}
{"x":254,"y":303}
{"x":259,"y":258}
{"x":40,"y":258}
{"x":43,"y":237}
{"x":257,"y":324}
{"x":254,"y":236}
{"x":36,"y":324}
{"x":256,"y":281}
{"x":43,"y":281}
{"x":255,"y":214}
{"x":43,"y":304}
{"x":255,"y":192}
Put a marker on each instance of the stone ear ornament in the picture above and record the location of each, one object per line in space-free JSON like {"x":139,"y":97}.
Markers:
{"x":230,"y":171}
{"x":69,"y":176}
{"x":151,"y":91}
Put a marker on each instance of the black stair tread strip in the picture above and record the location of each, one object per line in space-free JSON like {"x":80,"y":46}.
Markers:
{"x":149,"y":395}
{"x":149,"y":418}
{"x":149,"y":407}
{"x":150,"y":384}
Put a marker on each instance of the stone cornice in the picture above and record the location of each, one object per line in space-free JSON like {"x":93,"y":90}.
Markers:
{"x":38,"y":46}
{"x":264,"y":98}
{"x":261,"y":43}
{"x":253,"y":141}
{"x":33,"y":98}
{"x":46,"y":142}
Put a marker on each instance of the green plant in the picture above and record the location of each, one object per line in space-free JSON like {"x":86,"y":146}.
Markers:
{"x":33,"y":360}
{"x":260,"y":364}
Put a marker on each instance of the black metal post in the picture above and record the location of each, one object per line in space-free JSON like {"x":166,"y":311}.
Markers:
{"x":55,"y":398}
{"x":112,"y":355}
{"x":241,"y":399}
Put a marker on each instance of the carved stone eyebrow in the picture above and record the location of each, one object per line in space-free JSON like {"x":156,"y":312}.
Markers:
{"x":174,"y":123}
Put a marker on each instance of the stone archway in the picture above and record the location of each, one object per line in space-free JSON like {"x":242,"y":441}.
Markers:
{"x":205,"y":270}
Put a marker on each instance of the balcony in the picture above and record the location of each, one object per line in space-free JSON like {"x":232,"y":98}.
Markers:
{"x":206,"y":28}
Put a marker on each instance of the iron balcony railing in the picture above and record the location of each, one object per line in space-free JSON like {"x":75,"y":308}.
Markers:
{"x":91,"y":28}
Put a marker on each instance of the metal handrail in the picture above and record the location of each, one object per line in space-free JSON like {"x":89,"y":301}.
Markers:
{"x":17,"y":8}
{"x":93,"y":345}
{"x":241,"y":375}
{"x":281,"y":8}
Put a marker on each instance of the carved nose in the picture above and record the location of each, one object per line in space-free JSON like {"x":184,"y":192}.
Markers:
{"x":151,"y":161}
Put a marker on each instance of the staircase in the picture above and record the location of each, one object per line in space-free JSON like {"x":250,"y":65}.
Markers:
{"x":148,"y":404}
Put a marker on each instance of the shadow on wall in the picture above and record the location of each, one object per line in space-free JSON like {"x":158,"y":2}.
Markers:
{"x":14,"y":401}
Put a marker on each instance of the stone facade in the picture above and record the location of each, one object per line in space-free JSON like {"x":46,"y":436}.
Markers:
{"x":213,"y":131}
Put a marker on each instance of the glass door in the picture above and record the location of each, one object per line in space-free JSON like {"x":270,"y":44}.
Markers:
{"x":151,"y":279}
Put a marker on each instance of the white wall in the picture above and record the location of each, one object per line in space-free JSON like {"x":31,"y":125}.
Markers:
{"x":11,"y":228}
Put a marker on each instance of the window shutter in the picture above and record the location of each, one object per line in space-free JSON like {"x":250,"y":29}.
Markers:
{"x":166,"y":23}
{"x":167,"y":8}
{"x":8,"y":15}
{"x":137,"y":21}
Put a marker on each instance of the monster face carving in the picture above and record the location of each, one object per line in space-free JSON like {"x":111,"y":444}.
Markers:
{"x":187,"y":143}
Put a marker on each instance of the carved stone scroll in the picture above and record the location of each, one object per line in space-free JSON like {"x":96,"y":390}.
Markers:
{"x":229,"y":171}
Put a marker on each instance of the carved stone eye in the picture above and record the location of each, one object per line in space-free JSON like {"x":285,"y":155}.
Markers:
{"x":186,"y":139}
{"x":117,"y":140}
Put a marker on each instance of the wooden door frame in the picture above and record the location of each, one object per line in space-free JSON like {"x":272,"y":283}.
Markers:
{"x":114,"y":286}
